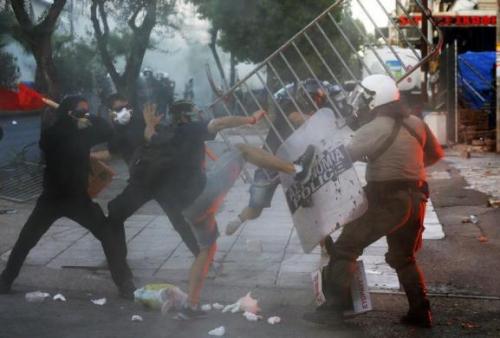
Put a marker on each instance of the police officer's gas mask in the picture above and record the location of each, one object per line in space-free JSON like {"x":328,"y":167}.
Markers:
{"x":359,"y":100}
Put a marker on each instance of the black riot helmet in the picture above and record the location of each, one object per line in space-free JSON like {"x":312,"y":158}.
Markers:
{"x":183,"y":110}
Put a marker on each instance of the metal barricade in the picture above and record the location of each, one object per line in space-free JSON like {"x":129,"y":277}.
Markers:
{"x":329,"y":51}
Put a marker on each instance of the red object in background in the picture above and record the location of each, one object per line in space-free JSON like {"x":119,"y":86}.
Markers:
{"x":24,"y":99}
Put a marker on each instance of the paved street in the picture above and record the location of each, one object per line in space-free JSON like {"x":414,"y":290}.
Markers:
{"x":265,"y":252}
{"x":264,"y":257}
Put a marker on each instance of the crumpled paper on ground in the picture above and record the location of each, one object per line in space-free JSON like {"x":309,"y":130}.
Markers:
{"x":137,"y":318}
{"x":218,"y":332}
{"x":100,"y":301}
{"x":274,"y":320}
{"x":217,"y":306}
{"x":251,"y":317}
{"x":59,"y":297}
{"x":206,"y":307}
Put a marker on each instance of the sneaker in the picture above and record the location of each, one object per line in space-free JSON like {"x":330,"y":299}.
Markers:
{"x":324,"y":315}
{"x":4,"y":286}
{"x":306,"y":161}
{"x":126,"y":290}
{"x":233,"y":226}
{"x":188,"y":313}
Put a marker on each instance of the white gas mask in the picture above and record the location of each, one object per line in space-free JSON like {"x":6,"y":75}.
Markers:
{"x":123,"y":116}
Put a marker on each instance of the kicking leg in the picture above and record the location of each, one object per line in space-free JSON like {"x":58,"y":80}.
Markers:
{"x":266,"y":160}
{"x":300,"y":168}
{"x":198,"y":273}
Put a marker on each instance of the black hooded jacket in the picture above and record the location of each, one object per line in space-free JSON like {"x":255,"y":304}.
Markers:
{"x":67,"y":154}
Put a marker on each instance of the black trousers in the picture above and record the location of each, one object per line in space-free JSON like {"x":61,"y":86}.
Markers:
{"x":79,"y":209}
{"x":171,"y":200}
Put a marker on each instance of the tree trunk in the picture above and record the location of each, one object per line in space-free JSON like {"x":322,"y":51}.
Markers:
{"x":213,"y":47}
{"x":46,"y":74}
{"x":126,"y":83}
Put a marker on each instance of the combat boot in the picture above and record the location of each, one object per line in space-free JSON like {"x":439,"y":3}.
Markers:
{"x":413,"y":284}
{"x":420,"y":317}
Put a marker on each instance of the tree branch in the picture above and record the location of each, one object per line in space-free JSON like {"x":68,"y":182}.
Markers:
{"x":140,"y":41}
{"x":102,"y":38}
{"x":50,"y":20}
{"x":21,"y":14}
{"x":131,"y":21}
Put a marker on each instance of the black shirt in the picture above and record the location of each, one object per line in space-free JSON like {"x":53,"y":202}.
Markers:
{"x":67,"y":155}
{"x":175,"y":155}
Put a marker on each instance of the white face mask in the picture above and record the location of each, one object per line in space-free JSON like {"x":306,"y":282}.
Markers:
{"x":83,"y":123}
{"x":123,"y":116}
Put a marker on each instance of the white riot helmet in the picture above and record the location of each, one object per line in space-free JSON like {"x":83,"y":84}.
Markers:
{"x":379,"y":89}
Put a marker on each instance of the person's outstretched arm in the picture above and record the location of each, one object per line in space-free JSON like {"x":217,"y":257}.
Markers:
{"x":227,"y":122}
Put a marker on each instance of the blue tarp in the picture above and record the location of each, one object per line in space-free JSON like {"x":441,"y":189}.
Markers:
{"x":476,"y":76}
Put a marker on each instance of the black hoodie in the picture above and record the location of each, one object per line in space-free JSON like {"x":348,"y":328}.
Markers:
{"x":67,"y":152}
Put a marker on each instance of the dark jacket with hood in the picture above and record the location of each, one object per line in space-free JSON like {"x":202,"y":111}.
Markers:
{"x":67,"y":151}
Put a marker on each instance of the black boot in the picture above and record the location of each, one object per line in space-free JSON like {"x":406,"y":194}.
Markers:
{"x":419,"y":314}
{"x":126,"y":289}
{"x":421,"y":317}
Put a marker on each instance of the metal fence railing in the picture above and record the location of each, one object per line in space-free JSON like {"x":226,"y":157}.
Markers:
{"x":330,"y":51}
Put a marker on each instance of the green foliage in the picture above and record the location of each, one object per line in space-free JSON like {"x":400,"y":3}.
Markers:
{"x":125,"y":9}
{"x":9,"y":72}
{"x":78,"y":65}
{"x":253,"y":29}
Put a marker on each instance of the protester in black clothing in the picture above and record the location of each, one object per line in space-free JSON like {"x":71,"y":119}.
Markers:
{"x":128,"y":138}
{"x":171,"y":165}
{"x":66,"y":146}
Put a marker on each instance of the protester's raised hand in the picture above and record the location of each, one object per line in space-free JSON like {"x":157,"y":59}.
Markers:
{"x":258,"y":115}
{"x":150,"y":117}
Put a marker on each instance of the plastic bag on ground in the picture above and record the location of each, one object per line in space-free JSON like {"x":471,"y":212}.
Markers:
{"x":164,"y":297}
{"x":244,"y":304}
{"x":249,"y":304}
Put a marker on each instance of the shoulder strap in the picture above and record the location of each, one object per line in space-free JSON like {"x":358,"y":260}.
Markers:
{"x":388,"y":142}
{"x":413,"y":133}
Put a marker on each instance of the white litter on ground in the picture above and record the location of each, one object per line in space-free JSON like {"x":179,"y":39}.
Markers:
{"x":233,"y":308}
{"x":218,"y":332}
{"x":36,"y":296}
{"x":217,"y":306}
{"x":137,"y":318}
{"x":251,"y":317}
{"x":206,"y":307}
{"x":100,"y":301}
{"x":274,"y":320}
{"x":59,"y":297}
